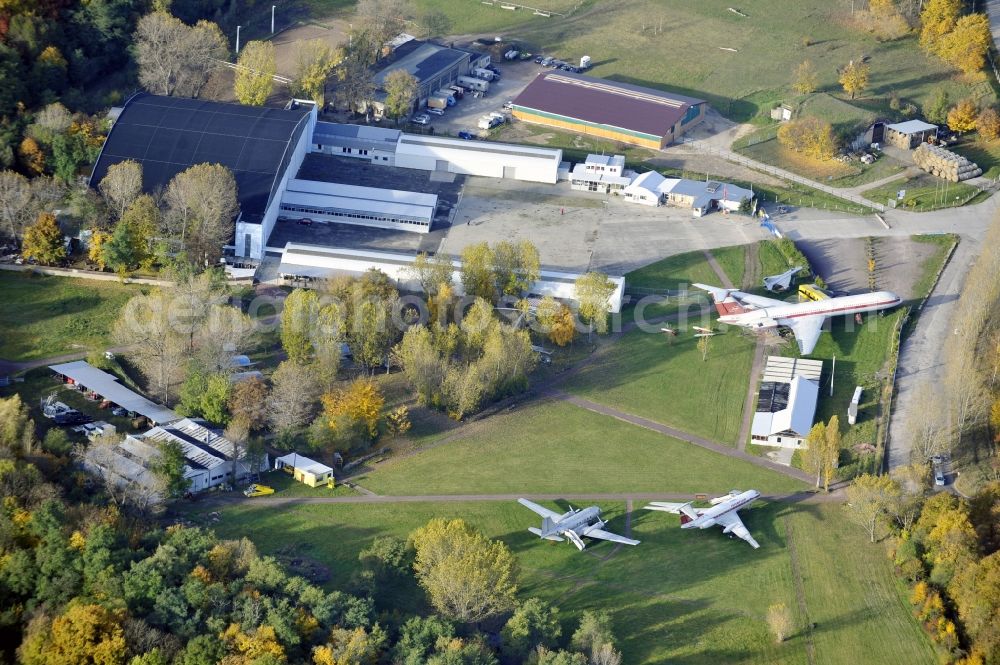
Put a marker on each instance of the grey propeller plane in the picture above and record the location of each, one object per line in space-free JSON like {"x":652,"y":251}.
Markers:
{"x":573,"y":525}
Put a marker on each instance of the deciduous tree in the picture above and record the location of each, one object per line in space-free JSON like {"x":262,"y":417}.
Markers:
{"x":357,"y":406}
{"x":477,"y":272}
{"x":936,"y":109}
{"x":173,"y":58}
{"x":294,"y":395}
{"x":965,"y":47}
{"x":43,"y":241}
{"x":315,"y":61}
{"x":868,"y":501}
{"x":533,"y":623}
{"x":121,"y":186}
{"x":147,"y":325}
{"x":16,"y":202}
{"x":422,"y":365}
{"x":83,"y":633}
{"x":298,"y":316}
{"x":255,"y":72}
{"x":988,"y":124}
{"x":831,"y":450}
{"x":812,"y":453}
{"x":937,"y":19}
{"x":170,"y":468}
{"x":31,"y":156}
{"x":201,"y":210}
{"x":594,"y":635}
{"x":810,"y":136}
{"x":431,"y":272}
{"x":805,"y":79}
{"x":401,"y":92}
{"x":247,"y":403}
{"x":469,"y":578}
{"x":593,"y":294}
{"x":854,"y":77}
{"x":962,"y":117}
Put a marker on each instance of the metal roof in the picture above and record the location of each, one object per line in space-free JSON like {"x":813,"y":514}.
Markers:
{"x":711,"y":190}
{"x":302,"y":463}
{"x":779,"y":368}
{"x":167,"y":135}
{"x":481,"y":147}
{"x":107,"y":386}
{"x":796,"y":418}
{"x":912,"y":127}
{"x":603,"y":102}
{"x":424,"y":60}
{"x":203,"y":448}
{"x":351,"y":198}
{"x":362,"y":132}
{"x":606,"y":160}
{"x":649,"y":181}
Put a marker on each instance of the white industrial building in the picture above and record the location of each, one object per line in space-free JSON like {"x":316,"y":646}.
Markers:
{"x":209,"y":458}
{"x":645,"y":189}
{"x":364,"y":206}
{"x":480,"y":158}
{"x":605,"y":174}
{"x":374,"y":144}
{"x":786,"y":402}
{"x":316,"y":262}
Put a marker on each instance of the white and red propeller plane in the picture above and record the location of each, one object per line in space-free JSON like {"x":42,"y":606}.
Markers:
{"x":722,"y":513}
{"x":804,"y":318}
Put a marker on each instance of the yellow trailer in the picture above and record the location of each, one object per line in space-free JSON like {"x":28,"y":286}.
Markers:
{"x":812,"y":292}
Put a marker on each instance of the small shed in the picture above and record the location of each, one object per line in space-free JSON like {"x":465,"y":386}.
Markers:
{"x":305,"y":470}
{"x":909,"y":134}
{"x":782,"y":113}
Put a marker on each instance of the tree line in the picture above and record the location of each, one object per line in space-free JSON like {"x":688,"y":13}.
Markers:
{"x":87,"y":578}
{"x":947,"y":549}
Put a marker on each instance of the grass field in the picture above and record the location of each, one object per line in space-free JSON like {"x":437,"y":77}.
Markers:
{"x":664,"y":379}
{"x":555,"y":447}
{"x":46,"y":316}
{"x":673,"y":274}
{"x":732,"y":260}
{"x":679,"y":597}
{"x":924,"y":192}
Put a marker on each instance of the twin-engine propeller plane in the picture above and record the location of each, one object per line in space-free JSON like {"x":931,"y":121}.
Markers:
{"x":573,"y":525}
{"x":722,"y":513}
{"x":805,"y":318}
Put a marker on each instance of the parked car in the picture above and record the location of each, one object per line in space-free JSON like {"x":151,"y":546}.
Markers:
{"x":119,"y":411}
{"x":305,"y":221}
{"x":939,"y":478}
{"x":539,"y":59}
{"x":421,"y":119}
{"x":508,"y":105}
{"x":571,"y":69}
{"x":546,"y":62}
{"x":468,"y":136}
{"x":435,"y":112}
{"x":73,"y":417}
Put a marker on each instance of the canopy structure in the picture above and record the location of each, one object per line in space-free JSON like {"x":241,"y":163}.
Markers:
{"x":106,"y":385}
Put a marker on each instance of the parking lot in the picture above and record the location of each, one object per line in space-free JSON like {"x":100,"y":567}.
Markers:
{"x":465,"y":114}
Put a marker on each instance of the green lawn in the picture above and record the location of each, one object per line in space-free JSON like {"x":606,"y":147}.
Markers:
{"x":664,"y":379}
{"x":924,"y":192}
{"x":46,"y":316}
{"x":555,"y":447}
{"x":732,"y":260}
{"x":673,"y":274}
{"x":680,"y":597}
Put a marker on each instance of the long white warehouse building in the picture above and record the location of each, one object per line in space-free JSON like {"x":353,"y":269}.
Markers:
{"x":317,"y":262}
{"x":365,"y":206}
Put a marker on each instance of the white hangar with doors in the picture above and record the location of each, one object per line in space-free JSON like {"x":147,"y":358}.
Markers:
{"x":481,"y":158}
{"x":786,"y":402}
{"x":318,"y":201}
{"x":317,"y":262}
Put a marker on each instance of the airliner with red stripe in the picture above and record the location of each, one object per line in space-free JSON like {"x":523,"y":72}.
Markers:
{"x":804,"y":318}
{"x":724,"y":513}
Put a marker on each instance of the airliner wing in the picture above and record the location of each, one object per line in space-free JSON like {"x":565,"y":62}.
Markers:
{"x":544,"y":512}
{"x":732,"y":523}
{"x":757,"y":301}
{"x":807,"y":330}
{"x":665,"y":506}
{"x":607,"y":535}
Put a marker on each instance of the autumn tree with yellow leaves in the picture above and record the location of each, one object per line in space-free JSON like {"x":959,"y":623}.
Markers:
{"x":810,"y":136}
{"x":965,"y":47}
{"x":962,"y":117}
{"x":854,"y":77}
{"x":352,"y":414}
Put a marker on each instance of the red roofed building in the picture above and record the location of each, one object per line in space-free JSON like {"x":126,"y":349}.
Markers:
{"x":617,"y":111}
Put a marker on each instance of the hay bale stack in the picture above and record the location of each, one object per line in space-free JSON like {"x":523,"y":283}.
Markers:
{"x":944,"y":163}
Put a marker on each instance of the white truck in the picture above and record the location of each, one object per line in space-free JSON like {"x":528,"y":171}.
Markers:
{"x":492,"y":120}
{"x":470,"y":83}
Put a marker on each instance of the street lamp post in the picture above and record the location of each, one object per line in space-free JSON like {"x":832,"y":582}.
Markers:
{"x":238,"y":39}
{"x":272,"y":19}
